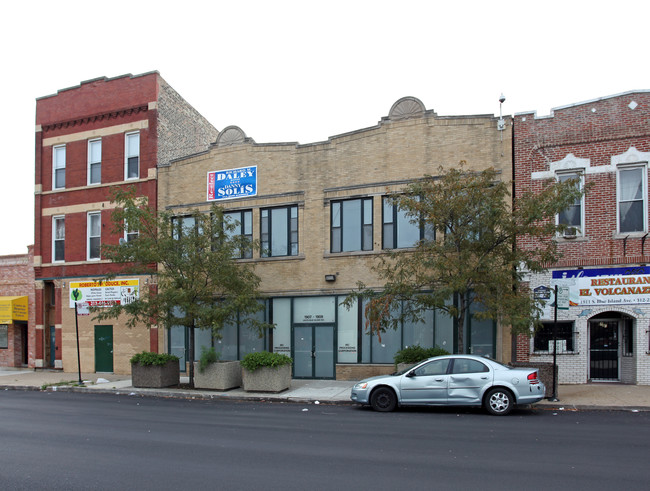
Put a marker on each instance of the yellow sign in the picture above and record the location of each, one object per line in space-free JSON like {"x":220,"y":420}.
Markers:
{"x":13,"y":309}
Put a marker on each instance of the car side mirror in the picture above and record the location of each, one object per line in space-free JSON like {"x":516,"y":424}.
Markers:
{"x":411,"y":373}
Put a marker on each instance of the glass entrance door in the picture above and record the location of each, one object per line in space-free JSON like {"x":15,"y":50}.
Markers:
{"x":603,"y":350}
{"x":313,"y":352}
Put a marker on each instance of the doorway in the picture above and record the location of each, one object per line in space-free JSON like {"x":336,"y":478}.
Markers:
{"x":104,"y":349}
{"x":604,"y":349}
{"x":313,"y":351}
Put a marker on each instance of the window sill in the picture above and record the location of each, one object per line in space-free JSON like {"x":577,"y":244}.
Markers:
{"x":630,"y":235}
{"x":563,"y":240}
{"x":550,"y":353}
{"x":299,"y":257}
{"x":352,"y":253}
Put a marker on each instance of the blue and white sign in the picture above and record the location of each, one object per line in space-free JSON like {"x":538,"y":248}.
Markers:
{"x":232,"y":183}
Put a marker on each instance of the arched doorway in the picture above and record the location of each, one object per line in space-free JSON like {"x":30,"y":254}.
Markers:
{"x":610,"y":337}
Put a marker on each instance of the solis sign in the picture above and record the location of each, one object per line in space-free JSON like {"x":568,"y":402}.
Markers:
{"x":232,"y":183}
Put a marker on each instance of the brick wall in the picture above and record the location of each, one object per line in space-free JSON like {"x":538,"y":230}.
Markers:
{"x":17,"y":279}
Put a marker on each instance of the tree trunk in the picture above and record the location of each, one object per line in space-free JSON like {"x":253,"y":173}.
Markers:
{"x":461,"y":323}
{"x":191,"y":355}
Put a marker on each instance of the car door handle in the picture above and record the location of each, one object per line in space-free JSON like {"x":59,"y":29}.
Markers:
{"x":439,"y":379}
{"x":484,"y":378}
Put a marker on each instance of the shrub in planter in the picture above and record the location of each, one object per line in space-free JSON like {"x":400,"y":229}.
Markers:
{"x":154,"y":370}
{"x":415,"y":354}
{"x":266,"y":372}
{"x":210,"y":373}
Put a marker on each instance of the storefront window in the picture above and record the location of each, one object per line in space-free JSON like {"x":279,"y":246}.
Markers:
{"x":348,"y":333}
{"x":282,"y":321}
{"x":4,"y":336}
{"x":314,"y":310}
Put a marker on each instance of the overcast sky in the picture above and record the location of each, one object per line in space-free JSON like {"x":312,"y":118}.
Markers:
{"x":303,"y":71}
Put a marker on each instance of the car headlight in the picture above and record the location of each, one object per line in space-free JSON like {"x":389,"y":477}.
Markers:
{"x":361,"y":385}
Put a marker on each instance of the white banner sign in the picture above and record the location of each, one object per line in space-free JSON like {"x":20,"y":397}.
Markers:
{"x":611,"y":290}
{"x":104,"y":293}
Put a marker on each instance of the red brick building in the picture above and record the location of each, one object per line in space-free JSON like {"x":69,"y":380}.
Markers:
{"x":90,"y":138}
{"x":605,"y":143}
{"x":17,"y":310}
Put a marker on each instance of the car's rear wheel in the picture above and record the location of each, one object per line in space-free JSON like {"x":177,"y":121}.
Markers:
{"x":499,"y":402}
{"x":383,"y":399}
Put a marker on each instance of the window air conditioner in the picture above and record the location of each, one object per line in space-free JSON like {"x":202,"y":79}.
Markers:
{"x":570,"y":233}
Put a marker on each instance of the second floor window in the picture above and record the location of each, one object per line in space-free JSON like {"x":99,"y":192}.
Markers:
{"x":58,"y":167}
{"x":58,"y":239}
{"x":132,"y":156}
{"x":399,"y":230}
{"x":243,"y":222}
{"x":94,"y":162}
{"x":572,"y":216}
{"x":631,"y":199}
{"x":279,"y":231}
{"x":351,"y":225}
{"x":94,"y":235}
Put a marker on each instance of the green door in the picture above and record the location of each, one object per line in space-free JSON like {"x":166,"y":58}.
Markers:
{"x":103,"y":348}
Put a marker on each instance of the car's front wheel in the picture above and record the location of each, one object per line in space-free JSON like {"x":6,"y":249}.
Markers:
{"x":383,"y":399}
{"x":499,"y":402}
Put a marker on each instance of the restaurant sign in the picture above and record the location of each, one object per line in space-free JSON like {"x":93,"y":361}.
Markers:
{"x":607,"y":286}
{"x":232,"y":183}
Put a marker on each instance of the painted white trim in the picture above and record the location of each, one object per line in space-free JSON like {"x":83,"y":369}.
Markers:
{"x":54,"y":220}
{"x":88,"y":171}
{"x":88,"y":236}
{"x":126,"y":156}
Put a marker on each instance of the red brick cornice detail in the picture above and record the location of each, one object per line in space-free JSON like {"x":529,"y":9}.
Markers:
{"x":118,"y":113}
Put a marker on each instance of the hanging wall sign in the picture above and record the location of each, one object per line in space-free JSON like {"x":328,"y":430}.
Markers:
{"x":232,"y":183}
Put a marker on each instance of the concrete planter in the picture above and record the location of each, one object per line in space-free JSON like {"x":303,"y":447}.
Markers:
{"x":267,"y":379}
{"x":155,"y":376}
{"x":222,"y":375}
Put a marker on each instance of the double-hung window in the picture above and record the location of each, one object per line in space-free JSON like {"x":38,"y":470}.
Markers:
{"x":132,"y":156}
{"x":130,"y":233}
{"x":94,"y":235}
{"x":58,"y":239}
{"x":400,"y":230}
{"x":279,"y":231}
{"x":58,"y":167}
{"x":351,"y":225}
{"x":94,"y":162}
{"x":632,"y":199}
{"x":572,"y":217}
{"x":242,"y":225}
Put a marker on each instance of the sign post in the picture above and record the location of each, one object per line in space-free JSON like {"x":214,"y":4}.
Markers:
{"x":562,"y":303}
{"x":76,"y":321}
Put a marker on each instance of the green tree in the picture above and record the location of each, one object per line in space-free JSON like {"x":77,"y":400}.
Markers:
{"x":200,"y":284}
{"x":474,"y":257}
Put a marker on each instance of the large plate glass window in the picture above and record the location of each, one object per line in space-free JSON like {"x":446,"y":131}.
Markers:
{"x":94,"y":162}
{"x":94,"y":235}
{"x":351,"y":225}
{"x":58,"y":167}
{"x":543,"y":341}
{"x":132,"y":156}
{"x":631,"y":199}
{"x":279,"y":231}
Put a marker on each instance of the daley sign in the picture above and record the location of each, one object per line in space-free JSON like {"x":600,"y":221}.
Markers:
{"x":232,"y":183}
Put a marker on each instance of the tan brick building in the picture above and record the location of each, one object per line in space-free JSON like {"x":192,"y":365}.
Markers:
{"x":319,"y":214}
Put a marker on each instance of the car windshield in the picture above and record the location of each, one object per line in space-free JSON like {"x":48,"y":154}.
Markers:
{"x":403,"y":371}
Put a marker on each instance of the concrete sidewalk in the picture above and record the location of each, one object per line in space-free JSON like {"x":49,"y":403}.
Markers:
{"x":609,"y":396}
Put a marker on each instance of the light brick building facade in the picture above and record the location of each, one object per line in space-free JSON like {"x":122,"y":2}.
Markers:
{"x":318,"y":211}
{"x":91,"y":138}
{"x":604,"y":143}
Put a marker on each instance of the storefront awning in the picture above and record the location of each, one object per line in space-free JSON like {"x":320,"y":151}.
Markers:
{"x":13,"y":309}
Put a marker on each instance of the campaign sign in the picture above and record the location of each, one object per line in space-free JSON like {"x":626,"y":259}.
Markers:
{"x":232,"y":183}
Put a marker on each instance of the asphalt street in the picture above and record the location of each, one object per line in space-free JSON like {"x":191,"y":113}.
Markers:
{"x":52,"y":440}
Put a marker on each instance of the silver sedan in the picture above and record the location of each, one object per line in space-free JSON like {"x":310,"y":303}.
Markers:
{"x":453,"y":380}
